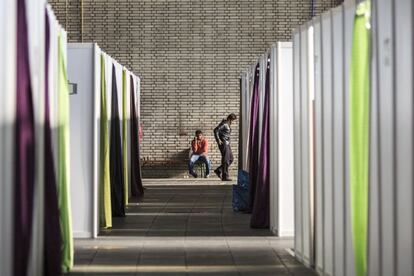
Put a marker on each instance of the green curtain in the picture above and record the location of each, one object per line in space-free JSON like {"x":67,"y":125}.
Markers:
{"x":105,"y":214}
{"x":359,"y":134}
{"x":124,"y":135}
{"x":64,"y":161}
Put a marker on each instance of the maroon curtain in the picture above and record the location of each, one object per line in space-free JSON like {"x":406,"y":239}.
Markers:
{"x":52,"y":234}
{"x":24,"y":150}
{"x":115,"y":155}
{"x":136,"y":179}
{"x":254,"y":138}
{"x":261,"y":209}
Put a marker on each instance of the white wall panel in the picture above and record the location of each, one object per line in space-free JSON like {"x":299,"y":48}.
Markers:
{"x":327,"y":87}
{"x":338,"y":140}
{"x":7,"y":115}
{"x":404,"y":137}
{"x":386,"y":101}
{"x":305,"y":143}
{"x":374,"y":203}
{"x":82,"y":123}
{"x":285,"y":140}
{"x":96,"y":138}
{"x":297,"y":141}
{"x":319,"y":189}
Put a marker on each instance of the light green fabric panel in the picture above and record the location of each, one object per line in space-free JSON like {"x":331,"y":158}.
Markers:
{"x":124,"y":135}
{"x":64,"y":162}
{"x":359,"y":134}
{"x":105,"y":213}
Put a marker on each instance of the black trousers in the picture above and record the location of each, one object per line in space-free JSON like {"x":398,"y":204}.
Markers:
{"x":226,"y":160}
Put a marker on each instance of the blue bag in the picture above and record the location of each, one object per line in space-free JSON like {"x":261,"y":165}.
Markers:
{"x":241,"y":192}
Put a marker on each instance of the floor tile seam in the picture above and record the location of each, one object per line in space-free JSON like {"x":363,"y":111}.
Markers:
{"x":139,"y":257}
{"x":189,"y":214}
{"x":231,"y":254}
{"x":186,"y":234}
{"x":225,"y":235}
{"x":156,"y":216}
{"x":281,"y":260}
{"x":93,"y":257}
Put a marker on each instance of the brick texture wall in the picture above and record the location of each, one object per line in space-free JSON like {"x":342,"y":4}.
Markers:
{"x":189,"y":54}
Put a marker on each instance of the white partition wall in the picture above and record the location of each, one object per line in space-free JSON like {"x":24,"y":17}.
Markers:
{"x":7,"y":114}
{"x":390,"y":216}
{"x":404,"y":136}
{"x":319,"y":188}
{"x":81,"y":63}
{"x":281,"y":137}
{"x":297,"y":148}
{"x":281,"y":134}
{"x":84,"y":71}
{"x":303,"y":143}
{"x":285,"y":205}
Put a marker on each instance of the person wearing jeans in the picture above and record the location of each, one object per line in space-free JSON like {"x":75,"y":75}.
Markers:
{"x":222,"y":135}
{"x":199,"y":146}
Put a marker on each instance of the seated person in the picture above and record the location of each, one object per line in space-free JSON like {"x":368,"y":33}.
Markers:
{"x":199,"y":147}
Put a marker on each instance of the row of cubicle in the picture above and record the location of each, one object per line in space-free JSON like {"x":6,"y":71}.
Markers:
{"x":69,"y":117}
{"x":340,"y":136}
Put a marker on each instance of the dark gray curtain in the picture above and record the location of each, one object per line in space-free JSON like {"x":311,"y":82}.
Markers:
{"x":115,"y":155}
{"x":52,"y":234}
{"x":136,"y":178}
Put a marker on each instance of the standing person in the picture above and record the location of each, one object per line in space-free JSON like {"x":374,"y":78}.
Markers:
{"x":199,"y":146}
{"x":222,"y":134}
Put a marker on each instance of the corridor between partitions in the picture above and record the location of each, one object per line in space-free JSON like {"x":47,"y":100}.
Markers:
{"x":185,"y":228}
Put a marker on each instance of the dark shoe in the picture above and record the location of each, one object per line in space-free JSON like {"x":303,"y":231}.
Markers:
{"x":194,"y":174}
{"x":227,"y":179}
{"x":218,"y":173}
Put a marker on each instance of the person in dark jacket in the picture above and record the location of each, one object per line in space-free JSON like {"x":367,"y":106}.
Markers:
{"x":222,"y":135}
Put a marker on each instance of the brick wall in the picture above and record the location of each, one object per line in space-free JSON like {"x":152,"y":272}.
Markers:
{"x":189,"y":54}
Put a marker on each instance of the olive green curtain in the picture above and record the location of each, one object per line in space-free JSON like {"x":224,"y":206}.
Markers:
{"x":104,"y":177}
{"x":64,"y":160}
{"x":359,"y":134}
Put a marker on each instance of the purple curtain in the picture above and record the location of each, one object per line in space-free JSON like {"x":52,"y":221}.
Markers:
{"x":115,"y":155}
{"x":254,"y":138}
{"x":261,"y":210}
{"x":52,"y":239}
{"x":136,"y":179}
{"x":24,"y":150}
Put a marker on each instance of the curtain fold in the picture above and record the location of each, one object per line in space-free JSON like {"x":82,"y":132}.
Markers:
{"x":261,"y":209}
{"x":64,"y":160}
{"x":359,"y":134}
{"x":137,"y":188}
{"x":24,"y":150}
{"x":105,"y":205}
{"x":115,"y":154}
{"x":254,"y":137}
{"x":52,"y":234}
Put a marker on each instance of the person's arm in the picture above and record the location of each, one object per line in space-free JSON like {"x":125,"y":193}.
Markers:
{"x":216,"y":134}
{"x":204,"y":147}
{"x":194,"y":145}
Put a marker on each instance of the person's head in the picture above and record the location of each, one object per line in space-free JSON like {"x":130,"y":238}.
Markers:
{"x":232,"y":117}
{"x":199,"y":134}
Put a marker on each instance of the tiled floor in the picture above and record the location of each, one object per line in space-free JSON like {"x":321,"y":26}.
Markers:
{"x":185,"y":230}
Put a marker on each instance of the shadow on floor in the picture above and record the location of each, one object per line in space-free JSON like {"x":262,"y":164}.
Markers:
{"x":185,"y":230}
{"x":176,"y":211}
